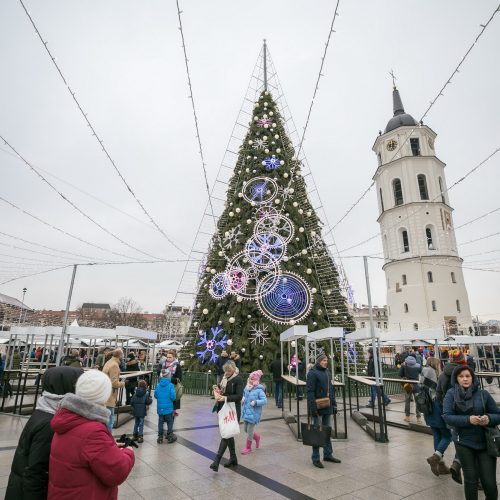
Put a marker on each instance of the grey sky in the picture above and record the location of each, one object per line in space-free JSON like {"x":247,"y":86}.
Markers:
{"x":124,"y":60}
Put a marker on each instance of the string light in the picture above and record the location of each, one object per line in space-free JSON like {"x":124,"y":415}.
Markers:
{"x":71,"y":203}
{"x":62,"y":231}
{"x":94,"y":133}
{"x":477,"y":218}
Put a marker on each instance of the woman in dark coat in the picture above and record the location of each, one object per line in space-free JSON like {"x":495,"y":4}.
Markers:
{"x":230,"y":389}
{"x":468,"y":409}
{"x":29,"y":474}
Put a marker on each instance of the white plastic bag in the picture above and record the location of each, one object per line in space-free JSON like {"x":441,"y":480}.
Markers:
{"x":228,"y":421}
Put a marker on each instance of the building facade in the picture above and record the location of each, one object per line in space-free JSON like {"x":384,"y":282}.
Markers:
{"x":424,"y":278}
{"x":361,"y":315}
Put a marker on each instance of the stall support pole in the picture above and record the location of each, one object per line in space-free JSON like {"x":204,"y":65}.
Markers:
{"x":65,"y":321}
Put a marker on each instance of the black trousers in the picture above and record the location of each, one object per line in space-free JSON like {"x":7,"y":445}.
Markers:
{"x":477,"y":464}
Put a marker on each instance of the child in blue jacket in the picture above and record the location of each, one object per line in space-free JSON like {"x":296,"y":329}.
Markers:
{"x":140,"y":400}
{"x":165,"y":396}
{"x":254,"y":398}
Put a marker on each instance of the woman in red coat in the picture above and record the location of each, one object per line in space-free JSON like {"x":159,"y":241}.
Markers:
{"x":85,"y":462}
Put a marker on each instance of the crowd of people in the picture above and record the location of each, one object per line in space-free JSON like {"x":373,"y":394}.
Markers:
{"x":67,"y":450}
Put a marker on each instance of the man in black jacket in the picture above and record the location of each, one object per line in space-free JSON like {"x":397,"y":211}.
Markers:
{"x":30,"y":467}
{"x":319,"y":385}
{"x":277,"y":367}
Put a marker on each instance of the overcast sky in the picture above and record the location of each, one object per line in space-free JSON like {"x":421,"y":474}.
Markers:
{"x":124,"y":60}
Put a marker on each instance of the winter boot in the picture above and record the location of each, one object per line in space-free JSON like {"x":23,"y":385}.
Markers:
{"x":456,"y":472}
{"x":433,"y":461}
{"x":171,"y":438}
{"x":222,"y":448}
{"x":443,"y":468}
{"x":233,"y":461}
{"x":140,"y":439}
{"x":248,"y":448}
{"x":257,"y":440}
{"x":407,"y":419}
{"x":135,"y":437}
{"x":160,"y":439}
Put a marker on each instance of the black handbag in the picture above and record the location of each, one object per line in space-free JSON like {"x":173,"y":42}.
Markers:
{"x":316,"y":435}
{"x":492,"y":435}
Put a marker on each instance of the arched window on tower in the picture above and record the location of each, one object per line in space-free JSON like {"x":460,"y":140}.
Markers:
{"x":453,"y":279}
{"x":405,"y":241}
{"x":428,"y":237}
{"x":405,"y":306}
{"x":441,"y":190}
{"x":434,"y":306}
{"x":429,"y":277}
{"x":381,"y":199}
{"x":398,"y":192}
{"x":458,"y":305}
{"x":379,"y":156}
{"x":422,"y":187}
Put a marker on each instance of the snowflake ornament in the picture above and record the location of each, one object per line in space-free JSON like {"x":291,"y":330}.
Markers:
{"x":262,"y":122}
{"x":231,"y":237}
{"x":211,"y":343}
{"x":271,"y":163}
{"x":259,"y":334}
{"x":259,"y":144}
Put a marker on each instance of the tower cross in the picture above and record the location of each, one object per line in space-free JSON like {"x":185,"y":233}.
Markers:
{"x":393,"y":78}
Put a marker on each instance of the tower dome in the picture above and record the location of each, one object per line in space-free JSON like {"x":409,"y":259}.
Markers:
{"x":400,"y":118}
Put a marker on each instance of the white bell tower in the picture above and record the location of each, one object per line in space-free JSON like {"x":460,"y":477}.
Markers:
{"x":425,"y":283}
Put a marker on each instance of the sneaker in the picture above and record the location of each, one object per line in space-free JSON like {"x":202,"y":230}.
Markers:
{"x":319,"y":465}
{"x":419,"y":421}
{"x":171,"y":438}
{"x":434,"y":461}
{"x":140,"y":439}
{"x":407,"y":419}
{"x":370,"y":405}
{"x":160,"y":440}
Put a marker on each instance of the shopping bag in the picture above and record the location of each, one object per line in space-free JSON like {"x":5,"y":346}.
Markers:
{"x":315,"y":435}
{"x":228,"y":421}
{"x":179,"y":390}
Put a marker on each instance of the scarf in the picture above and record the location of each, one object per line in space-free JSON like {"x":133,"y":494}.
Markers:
{"x":170,"y":368}
{"x":48,"y":402}
{"x":428,"y":378}
{"x":224,"y":381}
{"x":463,"y":398}
{"x":86,"y":409}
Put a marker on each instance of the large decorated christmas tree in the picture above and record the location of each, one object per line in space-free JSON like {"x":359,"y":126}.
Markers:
{"x":268,"y":267}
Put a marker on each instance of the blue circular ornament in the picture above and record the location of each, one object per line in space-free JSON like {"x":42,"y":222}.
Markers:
{"x":289,"y":300}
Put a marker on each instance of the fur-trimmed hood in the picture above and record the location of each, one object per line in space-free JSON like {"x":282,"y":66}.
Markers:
{"x":75,"y":411}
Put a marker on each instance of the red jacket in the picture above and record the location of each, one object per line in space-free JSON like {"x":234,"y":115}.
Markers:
{"x":85,"y":462}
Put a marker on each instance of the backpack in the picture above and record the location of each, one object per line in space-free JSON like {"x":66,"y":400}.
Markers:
{"x":423,"y":400}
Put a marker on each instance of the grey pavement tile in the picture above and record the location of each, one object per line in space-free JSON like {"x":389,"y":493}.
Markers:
{"x":198,"y":486}
{"x":149,"y":482}
{"x":4,"y":470}
{"x":168,"y":491}
{"x":374,"y":493}
{"x":420,"y":479}
{"x":181,"y":475}
{"x":399,"y":487}
{"x":128,"y":496}
{"x":450,"y":491}
{"x":347,"y":496}
{"x":4,"y":480}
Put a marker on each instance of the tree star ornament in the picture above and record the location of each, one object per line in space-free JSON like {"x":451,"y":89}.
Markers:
{"x":259,"y":334}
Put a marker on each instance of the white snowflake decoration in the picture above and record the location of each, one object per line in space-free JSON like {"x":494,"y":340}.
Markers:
{"x":259,"y":144}
{"x":231,"y":237}
{"x":259,"y":334}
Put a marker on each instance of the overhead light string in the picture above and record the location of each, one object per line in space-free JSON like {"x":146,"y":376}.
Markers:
{"x":94,"y":133}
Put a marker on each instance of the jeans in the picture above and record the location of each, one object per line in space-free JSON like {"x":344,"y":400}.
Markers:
{"x":139,"y":426}
{"x":327,"y":452}
{"x":111,"y":419}
{"x":408,"y":399}
{"x":477,"y":464}
{"x":373,"y":395}
{"x":278,"y":393}
{"x":249,"y":428}
{"x":442,"y":438}
{"x":169,"y":418}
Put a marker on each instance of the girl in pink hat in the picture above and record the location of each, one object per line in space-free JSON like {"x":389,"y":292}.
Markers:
{"x":254,"y":398}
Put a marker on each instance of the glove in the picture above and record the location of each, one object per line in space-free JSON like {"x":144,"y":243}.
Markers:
{"x":253,"y":403}
{"x":126,"y":442}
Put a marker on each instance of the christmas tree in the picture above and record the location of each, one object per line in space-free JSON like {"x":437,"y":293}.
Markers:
{"x":267,"y":267}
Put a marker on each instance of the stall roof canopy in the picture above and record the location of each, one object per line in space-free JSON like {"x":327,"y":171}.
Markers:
{"x":326,"y":334}
{"x":77,"y":332}
{"x":467,"y":339}
{"x":431,"y":335}
{"x":294,"y":333}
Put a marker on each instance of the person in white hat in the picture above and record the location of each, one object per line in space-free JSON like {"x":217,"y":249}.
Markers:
{"x":85,"y":461}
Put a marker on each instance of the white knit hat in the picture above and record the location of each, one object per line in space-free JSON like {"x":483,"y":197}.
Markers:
{"x":94,"y":386}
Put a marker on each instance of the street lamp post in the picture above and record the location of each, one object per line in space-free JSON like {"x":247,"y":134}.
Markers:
{"x":22,"y":307}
